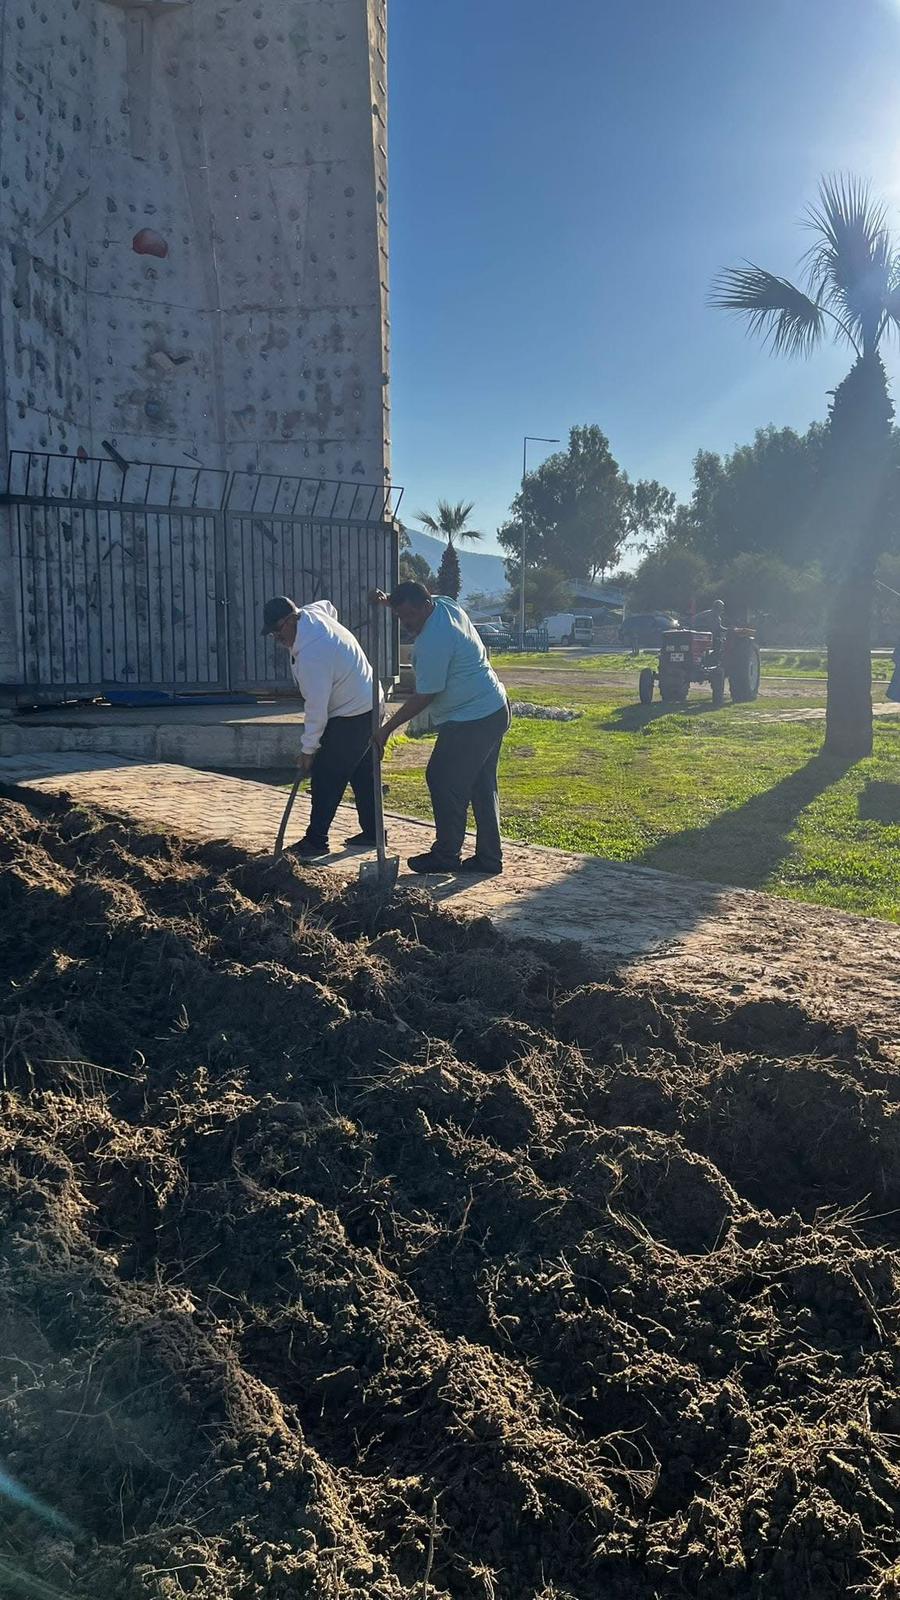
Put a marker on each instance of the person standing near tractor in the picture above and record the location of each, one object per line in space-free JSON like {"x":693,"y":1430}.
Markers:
{"x":335,"y":679}
{"x":467,"y":704}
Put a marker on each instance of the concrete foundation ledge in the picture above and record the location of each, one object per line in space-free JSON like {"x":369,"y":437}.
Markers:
{"x":206,"y":737}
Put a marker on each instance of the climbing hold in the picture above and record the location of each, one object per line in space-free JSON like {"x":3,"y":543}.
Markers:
{"x":148,"y":243}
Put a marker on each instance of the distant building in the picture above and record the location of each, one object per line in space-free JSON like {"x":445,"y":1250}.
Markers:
{"x":598,"y":600}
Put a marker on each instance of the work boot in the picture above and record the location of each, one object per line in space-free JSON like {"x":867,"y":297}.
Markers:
{"x":307,"y":849}
{"x":473,"y":865}
{"x":362,"y":841}
{"x":431,"y":863}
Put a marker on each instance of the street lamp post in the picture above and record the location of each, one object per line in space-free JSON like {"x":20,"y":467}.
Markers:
{"x":530,"y":438}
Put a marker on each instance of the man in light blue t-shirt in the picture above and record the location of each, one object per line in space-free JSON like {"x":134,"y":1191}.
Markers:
{"x":467,"y":704}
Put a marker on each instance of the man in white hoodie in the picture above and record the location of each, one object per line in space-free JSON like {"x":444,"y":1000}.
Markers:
{"x":335,"y":680}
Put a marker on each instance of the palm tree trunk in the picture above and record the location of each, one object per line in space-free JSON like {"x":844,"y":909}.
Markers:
{"x":449,"y":578}
{"x":848,"y":711}
{"x":857,"y":512}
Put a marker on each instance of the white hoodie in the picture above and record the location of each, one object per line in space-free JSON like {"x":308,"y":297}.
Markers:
{"x":330,"y":670}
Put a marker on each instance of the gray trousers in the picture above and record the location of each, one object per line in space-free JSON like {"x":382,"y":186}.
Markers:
{"x":463,"y":772}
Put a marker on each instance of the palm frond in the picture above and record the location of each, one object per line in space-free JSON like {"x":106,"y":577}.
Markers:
{"x":850,"y":265}
{"x":892,"y":298}
{"x":454,"y":515}
{"x":450,"y":521}
{"x":775,"y":309}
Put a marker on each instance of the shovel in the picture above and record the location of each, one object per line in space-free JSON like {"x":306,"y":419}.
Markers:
{"x":381,"y":873}
{"x":279,"y":842}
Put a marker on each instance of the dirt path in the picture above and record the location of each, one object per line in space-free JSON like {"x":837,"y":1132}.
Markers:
{"x":572,"y":677}
{"x":713,"y":939}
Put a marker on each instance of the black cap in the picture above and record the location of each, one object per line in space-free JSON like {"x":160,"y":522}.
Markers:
{"x":275,"y":611}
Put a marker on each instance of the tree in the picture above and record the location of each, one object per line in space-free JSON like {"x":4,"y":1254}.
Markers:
{"x":579,"y":509}
{"x":450,"y":521}
{"x":670,"y":579}
{"x":886,"y":619}
{"x":449,"y":578}
{"x":478,"y":600}
{"x":853,"y":279}
{"x":761,"y":498}
{"x":547,"y":590}
{"x":759,"y":587}
{"x":413,"y":568}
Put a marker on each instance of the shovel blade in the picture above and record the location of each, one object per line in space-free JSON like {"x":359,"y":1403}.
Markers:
{"x":380,"y":874}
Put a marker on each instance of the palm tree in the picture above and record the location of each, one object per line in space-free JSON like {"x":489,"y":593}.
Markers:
{"x":450,"y":524}
{"x":853,"y":284}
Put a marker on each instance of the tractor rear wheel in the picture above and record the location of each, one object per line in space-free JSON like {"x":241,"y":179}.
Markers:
{"x":743,"y":670}
{"x":645,"y":686}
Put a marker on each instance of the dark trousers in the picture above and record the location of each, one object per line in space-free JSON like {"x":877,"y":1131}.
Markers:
{"x":463,"y":772}
{"x":344,"y":756}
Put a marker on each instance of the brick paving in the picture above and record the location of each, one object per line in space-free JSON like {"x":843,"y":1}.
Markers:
{"x":882,"y":708}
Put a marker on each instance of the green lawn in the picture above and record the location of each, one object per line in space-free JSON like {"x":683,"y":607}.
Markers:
{"x":719,"y":795}
{"x":564,"y":661}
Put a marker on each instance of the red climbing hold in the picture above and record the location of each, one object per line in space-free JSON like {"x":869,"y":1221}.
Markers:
{"x":148,"y":243}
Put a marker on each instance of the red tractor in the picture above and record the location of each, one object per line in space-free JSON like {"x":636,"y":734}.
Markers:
{"x":715,"y":655}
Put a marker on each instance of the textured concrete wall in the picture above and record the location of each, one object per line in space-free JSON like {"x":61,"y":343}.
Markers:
{"x":194,"y":243}
{"x":195,"y":250}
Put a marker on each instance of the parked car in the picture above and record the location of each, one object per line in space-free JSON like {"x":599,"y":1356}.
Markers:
{"x":492,"y":635}
{"x":644,"y":630}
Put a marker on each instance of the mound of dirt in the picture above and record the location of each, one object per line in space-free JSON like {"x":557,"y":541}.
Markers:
{"x":350,"y":1253}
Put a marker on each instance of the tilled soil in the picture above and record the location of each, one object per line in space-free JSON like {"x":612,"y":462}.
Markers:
{"x":356,"y":1252}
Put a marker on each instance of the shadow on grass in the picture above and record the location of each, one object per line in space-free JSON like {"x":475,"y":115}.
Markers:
{"x":745,"y":845}
{"x":631,"y":719}
{"x":880,"y":802}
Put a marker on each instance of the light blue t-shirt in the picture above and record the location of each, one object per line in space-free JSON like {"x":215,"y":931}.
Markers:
{"x":450,"y":662}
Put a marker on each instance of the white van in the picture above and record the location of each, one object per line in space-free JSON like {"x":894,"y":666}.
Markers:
{"x":569,"y":627}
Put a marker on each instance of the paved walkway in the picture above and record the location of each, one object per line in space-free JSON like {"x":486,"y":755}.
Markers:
{"x":713,"y":938}
{"x":882,"y":708}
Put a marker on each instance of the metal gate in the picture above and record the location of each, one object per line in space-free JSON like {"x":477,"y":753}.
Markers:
{"x":336,"y":551}
{"x":154,"y":577}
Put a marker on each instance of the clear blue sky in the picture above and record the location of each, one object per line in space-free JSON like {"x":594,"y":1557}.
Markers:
{"x":565,"y":181}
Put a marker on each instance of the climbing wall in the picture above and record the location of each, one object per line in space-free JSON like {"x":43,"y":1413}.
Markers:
{"x":193,"y":251}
